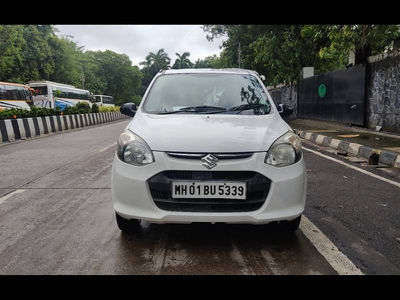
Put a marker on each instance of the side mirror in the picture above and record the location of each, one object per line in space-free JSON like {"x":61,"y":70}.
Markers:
{"x":285,"y":110}
{"x":128,"y":109}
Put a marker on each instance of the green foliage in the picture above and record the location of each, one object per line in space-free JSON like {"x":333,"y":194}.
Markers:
{"x":24,"y":113}
{"x":57,"y":93}
{"x":25,"y":53}
{"x":34,"y":52}
{"x":12,"y":43}
{"x":280,"y":51}
{"x":84,"y":107}
{"x":364,"y":40}
{"x":115,"y":73}
{"x":108,"y":108}
{"x":137,"y":100}
{"x":67,"y":59}
{"x":95,"y":108}
{"x":213,"y":62}
{"x":79,"y":108}
{"x":183,"y":61}
{"x":152,"y":65}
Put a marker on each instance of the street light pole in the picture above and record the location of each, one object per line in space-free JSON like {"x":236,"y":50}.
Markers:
{"x":83,"y":80}
{"x":239,"y":55}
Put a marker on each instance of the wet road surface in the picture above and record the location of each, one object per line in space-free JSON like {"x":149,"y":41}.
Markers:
{"x":56,"y":217}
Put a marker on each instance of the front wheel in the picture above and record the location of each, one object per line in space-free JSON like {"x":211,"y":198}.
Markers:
{"x":127,"y":226}
{"x":289,"y":226}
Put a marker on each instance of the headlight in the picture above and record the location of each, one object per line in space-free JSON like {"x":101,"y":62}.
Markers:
{"x":285,"y":151}
{"x":133,"y":150}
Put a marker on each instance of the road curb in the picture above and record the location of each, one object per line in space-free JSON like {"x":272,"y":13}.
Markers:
{"x":23,"y":128}
{"x":372,"y":154}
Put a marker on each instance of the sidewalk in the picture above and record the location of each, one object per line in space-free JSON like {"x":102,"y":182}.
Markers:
{"x":377,"y":147}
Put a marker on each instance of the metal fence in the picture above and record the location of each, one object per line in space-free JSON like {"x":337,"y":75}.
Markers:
{"x":337,"y":96}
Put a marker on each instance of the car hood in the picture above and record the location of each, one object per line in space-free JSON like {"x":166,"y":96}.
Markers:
{"x":213,"y":133}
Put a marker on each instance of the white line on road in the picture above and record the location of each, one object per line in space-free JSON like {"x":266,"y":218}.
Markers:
{"x":107,"y":147}
{"x":332,"y":254}
{"x":4,"y":198}
{"x":353,"y":167}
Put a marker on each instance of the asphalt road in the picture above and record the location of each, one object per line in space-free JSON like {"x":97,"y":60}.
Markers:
{"x":56,"y":217}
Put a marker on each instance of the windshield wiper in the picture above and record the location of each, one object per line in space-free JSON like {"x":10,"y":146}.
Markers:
{"x":243,"y":107}
{"x":196,"y":109}
{"x":203,"y":108}
{"x":169,"y":112}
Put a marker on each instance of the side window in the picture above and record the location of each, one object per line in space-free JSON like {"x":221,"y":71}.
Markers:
{"x":15,"y":93}
{"x":9,"y":95}
{"x":3,"y":92}
{"x":21,"y":93}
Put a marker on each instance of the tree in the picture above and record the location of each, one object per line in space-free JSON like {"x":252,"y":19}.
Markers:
{"x":215,"y":31}
{"x":25,"y":53}
{"x":12,"y":43}
{"x":212,"y":62}
{"x":115,"y":74}
{"x":158,"y":61}
{"x":91,"y":69}
{"x":34,"y":52}
{"x":182,"y":62}
{"x":364,"y":40}
{"x":67,"y":59}
{"x":152,"y":65}
{"x":281,"y":51}
{"x":37,"y":54}
{"x":202,"y":64}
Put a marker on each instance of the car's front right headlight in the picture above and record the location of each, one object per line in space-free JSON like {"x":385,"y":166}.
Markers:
{"x":133,"y":150}
{"x":285,"y":151}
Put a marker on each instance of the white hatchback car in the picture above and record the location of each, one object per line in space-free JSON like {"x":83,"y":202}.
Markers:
{"x":208,"y":145}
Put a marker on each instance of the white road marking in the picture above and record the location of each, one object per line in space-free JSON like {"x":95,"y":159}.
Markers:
{"x":4,"y":198}
{"x":107,"y":147}
{"x":353,"y":167}
{"x":329,"y":251}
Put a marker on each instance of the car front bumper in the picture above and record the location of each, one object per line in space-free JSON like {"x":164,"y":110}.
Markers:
{"x":132,"y":198}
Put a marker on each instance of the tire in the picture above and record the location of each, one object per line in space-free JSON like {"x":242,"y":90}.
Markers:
{"x":127,"y":226}
{"x":290,"y":226}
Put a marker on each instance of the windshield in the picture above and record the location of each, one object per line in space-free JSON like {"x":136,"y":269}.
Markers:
{"x":206,"y":93}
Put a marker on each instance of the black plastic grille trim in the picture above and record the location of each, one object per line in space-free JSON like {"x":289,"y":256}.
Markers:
{"x":217,"y":155}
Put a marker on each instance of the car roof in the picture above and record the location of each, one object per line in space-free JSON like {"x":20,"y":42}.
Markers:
{"x":200,"y":71}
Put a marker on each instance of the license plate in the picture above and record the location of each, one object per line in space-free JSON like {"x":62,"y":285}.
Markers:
{"x":196,"y":189}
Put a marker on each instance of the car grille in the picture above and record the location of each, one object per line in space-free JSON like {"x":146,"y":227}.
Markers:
{"x":217,"y":155}
{"x":257,"y":191}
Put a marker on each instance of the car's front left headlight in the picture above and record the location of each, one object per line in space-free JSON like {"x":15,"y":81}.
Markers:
{"x":133,"y":150}
{"x":285,"y":151}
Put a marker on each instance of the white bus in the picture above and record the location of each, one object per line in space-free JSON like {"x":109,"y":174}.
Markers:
{"x":103,"y":100}
{"x":14,"y":95}
{"x":53,"y":94}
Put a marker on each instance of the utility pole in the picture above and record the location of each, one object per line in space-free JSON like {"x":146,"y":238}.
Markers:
{"x":239,"y":55}
{"x":83,"y":80}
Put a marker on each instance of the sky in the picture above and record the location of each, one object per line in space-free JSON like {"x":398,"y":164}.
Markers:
{"x":137,"y":41}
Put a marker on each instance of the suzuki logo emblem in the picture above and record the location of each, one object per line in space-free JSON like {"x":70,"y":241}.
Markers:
{"x":209,"y":161}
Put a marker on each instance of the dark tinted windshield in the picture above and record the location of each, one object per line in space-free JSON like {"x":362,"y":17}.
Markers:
{"x":176,"y":92}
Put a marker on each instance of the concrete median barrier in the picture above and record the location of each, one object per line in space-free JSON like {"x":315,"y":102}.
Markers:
{"x":23,"y":128}
{"x":378,"y":155}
